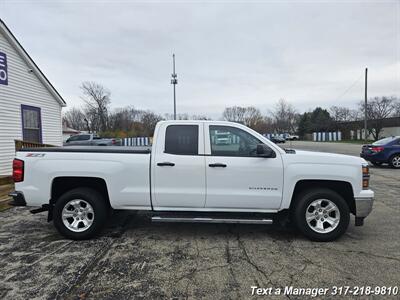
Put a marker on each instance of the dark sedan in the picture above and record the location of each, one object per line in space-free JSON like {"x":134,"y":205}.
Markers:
{"x":386,"y":150}
{"x":277,"y":139}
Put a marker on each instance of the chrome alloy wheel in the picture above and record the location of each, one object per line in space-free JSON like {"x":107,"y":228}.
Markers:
{"x":322,"y":216}
{"x":396,"y":161}
{"x":77,"y":215}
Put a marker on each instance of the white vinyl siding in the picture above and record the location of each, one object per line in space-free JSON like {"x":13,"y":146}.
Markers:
{"x":24,"y":87}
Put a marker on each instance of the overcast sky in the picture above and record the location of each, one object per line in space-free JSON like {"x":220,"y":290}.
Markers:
{"x":228,"y":53}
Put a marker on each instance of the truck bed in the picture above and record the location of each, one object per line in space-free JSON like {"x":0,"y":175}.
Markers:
{"x":92,"y":149}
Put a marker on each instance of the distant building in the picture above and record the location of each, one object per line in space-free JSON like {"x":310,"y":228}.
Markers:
{"x":354,"y":129}
{"x":30,"y":107}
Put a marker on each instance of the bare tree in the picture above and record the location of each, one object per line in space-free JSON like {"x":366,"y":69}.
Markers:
{"x":75,"y":119}
{"x":265,"y":125}
{"x":200,"y":117}
{"x":185,"y":116}
{"x":234,"y":114}
{"x":355,"y":115}
{"x":149,"y":120}
{"x":285,"y":117}
{"x":124,"y":119}
{"x":249,"y":116}
{"x":252,"y":117}
{"x":342,"y":114}
{"x":133,"y":122}
{"x":378,"y":108}
{"x":97,"y":102}
{"x":397,"y":108}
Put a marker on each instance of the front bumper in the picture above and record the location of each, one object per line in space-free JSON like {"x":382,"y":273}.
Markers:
{"x":18,"y":199}
{"x":363,"y":206}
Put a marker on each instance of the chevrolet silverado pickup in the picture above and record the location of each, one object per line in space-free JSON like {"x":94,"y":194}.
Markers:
{"x":189,"y":175}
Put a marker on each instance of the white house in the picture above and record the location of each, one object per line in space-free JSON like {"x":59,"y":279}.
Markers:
{"x":30,"y":107}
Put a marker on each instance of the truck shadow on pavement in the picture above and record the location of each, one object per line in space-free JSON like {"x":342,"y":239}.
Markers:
{"x":122,"y":222}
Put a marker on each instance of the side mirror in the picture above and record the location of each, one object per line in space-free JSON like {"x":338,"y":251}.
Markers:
{"x":265,"y":151}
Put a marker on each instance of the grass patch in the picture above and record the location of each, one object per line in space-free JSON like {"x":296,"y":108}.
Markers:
{"x":359,"y":142}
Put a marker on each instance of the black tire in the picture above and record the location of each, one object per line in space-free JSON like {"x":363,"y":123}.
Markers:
{"x":100,"y":209}
{"x":299,"y":214}
{"x":392,"y":161}
{"x":375,"y":163}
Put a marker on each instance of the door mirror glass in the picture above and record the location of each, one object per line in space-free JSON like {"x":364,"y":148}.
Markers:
{"x":265,"y":151}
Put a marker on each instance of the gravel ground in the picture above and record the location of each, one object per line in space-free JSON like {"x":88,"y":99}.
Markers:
{"x":134,"y":258}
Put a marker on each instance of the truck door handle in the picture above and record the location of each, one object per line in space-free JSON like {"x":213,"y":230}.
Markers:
{"x":217,"y":165}
{"x":163,"y":164}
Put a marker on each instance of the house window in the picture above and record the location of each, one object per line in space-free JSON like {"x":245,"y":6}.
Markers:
{"x":31,"y":124}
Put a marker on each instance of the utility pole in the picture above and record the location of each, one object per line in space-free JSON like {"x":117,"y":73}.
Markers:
{"x":365,"y":106}
{"x":174,"y":81}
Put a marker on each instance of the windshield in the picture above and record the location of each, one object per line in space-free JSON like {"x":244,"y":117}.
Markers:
{"x":384,"y":141}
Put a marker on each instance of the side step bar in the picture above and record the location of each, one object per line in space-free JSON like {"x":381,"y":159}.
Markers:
{"x":209,"y":220}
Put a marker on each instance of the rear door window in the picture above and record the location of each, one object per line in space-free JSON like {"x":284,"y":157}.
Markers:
{"x":182,"y":139}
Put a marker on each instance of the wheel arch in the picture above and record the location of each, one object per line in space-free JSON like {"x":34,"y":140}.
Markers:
{"x":391,"y":157}
{"x":63,"y":184}
{"x":343,"y":188}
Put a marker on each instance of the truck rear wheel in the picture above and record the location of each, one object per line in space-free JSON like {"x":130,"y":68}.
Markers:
{"x":80,"y":213}
{"x":322,"y":215}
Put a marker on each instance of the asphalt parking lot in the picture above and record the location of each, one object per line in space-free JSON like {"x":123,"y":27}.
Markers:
{"x":137,"y":259}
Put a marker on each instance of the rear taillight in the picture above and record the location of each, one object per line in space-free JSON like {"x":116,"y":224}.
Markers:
{"x":377,"y":149}
{"x":18,"y":170}
{"x":365,"y":177}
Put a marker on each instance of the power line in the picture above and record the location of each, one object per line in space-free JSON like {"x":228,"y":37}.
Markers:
{"x":349,"y":88}
{"x":365,"y":107}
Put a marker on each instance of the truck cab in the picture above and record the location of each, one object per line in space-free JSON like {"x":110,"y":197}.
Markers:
{"x":192,"y":169}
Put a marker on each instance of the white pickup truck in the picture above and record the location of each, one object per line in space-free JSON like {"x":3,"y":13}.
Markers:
{"x":189,"y":176}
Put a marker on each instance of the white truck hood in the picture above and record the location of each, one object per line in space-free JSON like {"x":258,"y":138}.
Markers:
{"x":324,"y":158}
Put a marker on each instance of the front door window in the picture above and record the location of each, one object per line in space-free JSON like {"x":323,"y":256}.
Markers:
{"x":232,"y":141}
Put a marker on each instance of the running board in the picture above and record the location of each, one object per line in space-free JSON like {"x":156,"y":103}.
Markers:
{"x":209,"y":220}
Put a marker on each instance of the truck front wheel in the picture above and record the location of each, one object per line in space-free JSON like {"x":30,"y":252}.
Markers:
{"x":80,"y":213}
{"x":322,"y":215}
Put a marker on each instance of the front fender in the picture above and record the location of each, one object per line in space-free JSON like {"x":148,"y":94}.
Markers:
{"x":296,"y":172}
